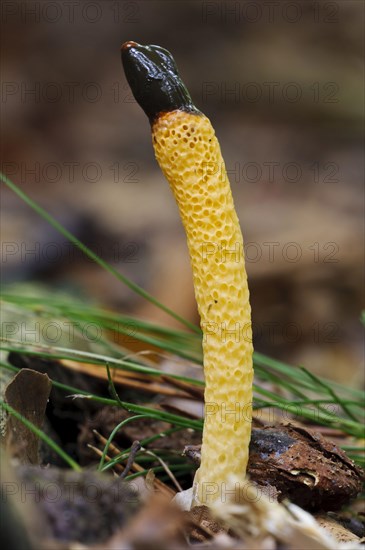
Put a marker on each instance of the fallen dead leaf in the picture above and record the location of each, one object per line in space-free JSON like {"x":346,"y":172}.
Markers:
{"x":27,"y":393}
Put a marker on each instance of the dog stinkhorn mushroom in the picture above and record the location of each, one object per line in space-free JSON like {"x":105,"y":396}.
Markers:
{"x":189,"y":155}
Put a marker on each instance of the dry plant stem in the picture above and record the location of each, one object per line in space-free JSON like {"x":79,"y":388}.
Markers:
{"x":142,"y":382}
{"x":136,"y":446}
{"x":159,"y":485}
{"x":189,"y":155}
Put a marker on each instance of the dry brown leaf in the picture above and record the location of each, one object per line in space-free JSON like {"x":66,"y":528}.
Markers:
{"x":27,"y":393}
{"x":158,"y":525}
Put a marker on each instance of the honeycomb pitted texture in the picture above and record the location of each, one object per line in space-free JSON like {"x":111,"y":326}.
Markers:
{"x":189,"y":155}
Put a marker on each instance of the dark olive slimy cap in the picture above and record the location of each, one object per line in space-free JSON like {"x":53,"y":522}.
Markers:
{"x":154,"y":80}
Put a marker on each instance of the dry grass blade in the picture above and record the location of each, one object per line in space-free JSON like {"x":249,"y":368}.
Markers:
{"x":165,"y":467}
{"x":193,"y":391}
{"x":158,"y":484}
{"x":117,"y":467}
{"x":138,"y":381}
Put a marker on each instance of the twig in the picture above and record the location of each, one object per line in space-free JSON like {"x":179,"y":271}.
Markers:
{"x":136,"y":446}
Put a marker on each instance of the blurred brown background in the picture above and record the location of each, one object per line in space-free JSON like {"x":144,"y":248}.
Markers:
{"x":283,"y":85}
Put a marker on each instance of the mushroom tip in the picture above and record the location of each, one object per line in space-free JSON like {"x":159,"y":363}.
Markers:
{"x":127,"y":45}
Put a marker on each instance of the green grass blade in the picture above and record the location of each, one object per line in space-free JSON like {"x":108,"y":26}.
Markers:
{"x":111,"y":437}
{"x":332,"y":393}
{"x":92,"y":255}
{"x":156,"y":414}
{"x":362,"y":317}
{"x":89,"y":357}
{"x":39,"y":433}
{"x":124,"y":455}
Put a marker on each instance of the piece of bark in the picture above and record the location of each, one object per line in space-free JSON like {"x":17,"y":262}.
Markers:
{"x":336,"y":530}
{"x":301,"y":465}
{"x":27,"y":393}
